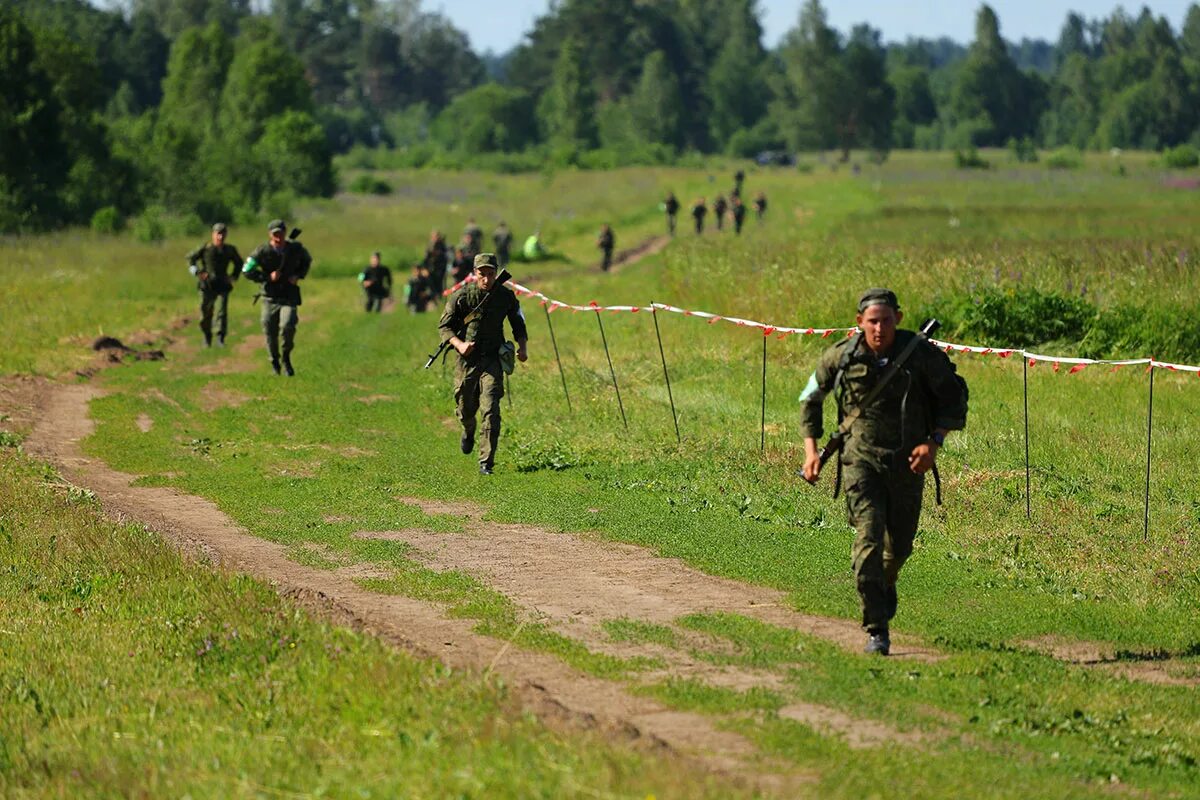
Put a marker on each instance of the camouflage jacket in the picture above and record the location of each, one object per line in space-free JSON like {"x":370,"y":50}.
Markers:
{"x":215,"y":261}
{"x":293,"y":261}
{"x":926,"y":394}
{"x":486,"y":327}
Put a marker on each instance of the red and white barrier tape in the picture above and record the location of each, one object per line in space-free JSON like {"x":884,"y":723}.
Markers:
{"x":783,"y":331}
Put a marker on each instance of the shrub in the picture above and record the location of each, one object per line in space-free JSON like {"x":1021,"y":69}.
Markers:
{"x":1182,"y":157}
{"x":148,"y":226}
{"x":970,"y":159}
{"x":107,"y":220}
{"x":1023,"y":151}
{"x":1065,"y":158}
{"x":369,"y":184}
{"x":1025,"y":316}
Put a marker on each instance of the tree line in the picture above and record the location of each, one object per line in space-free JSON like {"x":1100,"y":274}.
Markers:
{"x":226,"y":108}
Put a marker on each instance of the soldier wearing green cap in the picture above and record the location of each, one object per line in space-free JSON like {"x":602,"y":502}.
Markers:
{"x":478,"y":336}
{"x":279,"y":265}
{"x":210,"y":263}
{"x":893,"y":441}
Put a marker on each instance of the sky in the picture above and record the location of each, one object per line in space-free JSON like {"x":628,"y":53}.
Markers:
{"x":495,"y":30}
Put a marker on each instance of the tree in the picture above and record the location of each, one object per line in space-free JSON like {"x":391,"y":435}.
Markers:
{"x":656,"y":105}
{"x":813,"y":78}
{"x":737,"y":87}
{"x":294,"y":156}
{"x":488,"y":118}
{"x":915,"y":105}
{"x":34,"y":159}
{"x":866,"y":104}
{"x":568,"y":109}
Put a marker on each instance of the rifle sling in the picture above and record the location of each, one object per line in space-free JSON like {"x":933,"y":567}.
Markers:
{"x":892,"y":369}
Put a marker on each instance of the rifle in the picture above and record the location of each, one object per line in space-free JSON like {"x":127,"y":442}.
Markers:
{"x":838,"y":440}
{"x":293,"y":236}
{"x":501,"y":279}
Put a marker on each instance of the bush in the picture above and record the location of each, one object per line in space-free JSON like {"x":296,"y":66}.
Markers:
{"x":970,"y":159}
{"x":277,"y":205}
{"x":369,"y":184}
{"x":1182,"y":157}
{"x":107,"y":220}
{"x":148,"y":226}
{"x":1025,"y":316}
{"x":1065,"y":158}
{"x":1023,"y":151}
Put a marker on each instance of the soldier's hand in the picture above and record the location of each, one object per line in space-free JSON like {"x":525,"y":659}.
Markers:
{"x":293,"y":280}
{"x":465,"y":348}
{"x":202,"y":275}
{"x":522,"y":356}
{"x":922,"y":457}
{"x":275,"y":275}
{"x":812,"y":467}
{"x":368,"y":282}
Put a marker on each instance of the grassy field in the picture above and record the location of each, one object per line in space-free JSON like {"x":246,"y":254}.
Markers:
{"x":996,"y":718}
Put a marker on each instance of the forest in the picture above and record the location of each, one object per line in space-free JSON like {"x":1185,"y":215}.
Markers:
{"x":166,"y":112}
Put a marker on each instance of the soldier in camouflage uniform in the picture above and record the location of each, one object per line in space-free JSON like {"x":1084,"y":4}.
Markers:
{"x":279,"y":265}
{"x":210,"y":264}
{"x":891,"y":445}
{"x":478,"y":337}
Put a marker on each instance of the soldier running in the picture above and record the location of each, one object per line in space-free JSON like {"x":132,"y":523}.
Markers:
{"x":671,"y":206}
{"x":699,"y":210}
{"x":210,"y":264}
{"x":376,"y":281}
{"x":606,"y":241}
{"x":279,"y":265}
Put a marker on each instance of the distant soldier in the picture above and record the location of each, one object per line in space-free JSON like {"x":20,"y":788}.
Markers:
{"x":739,"y":214}
{"x":502,"y":237}
{"x":376,"y":281}
{"x":418,"y":292}
{"x":478,"y":336}
{"x":437,"y":257}
{"x":671,"y":206}
{"x":719,"y":209}
{"x":760,"y":206}
{"x":901,"y":396}
{"x":739,"y":178}
{"x":699,"y":211}
{"x":473,"y":237}
{"x":210,"y":264}
{"x":606,"y":241}
{"x":279,"y":265}
{"x":462,"y":265}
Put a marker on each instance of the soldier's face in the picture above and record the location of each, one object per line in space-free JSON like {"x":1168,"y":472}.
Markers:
{"x":486,"y":277}
{"x":878,"y":324}
{"x":277,"y":238}
{"x":218,"y":238}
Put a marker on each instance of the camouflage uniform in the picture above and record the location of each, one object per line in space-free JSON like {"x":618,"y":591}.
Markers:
{"x":502,"y":237}
{"x":215,"y":289}
{"x":883,"y":495}
{"x":380,"y":288}
{"x":719,"y":208}
{"x":479,"y":378}
{"x":281,"y":298}
{"x":606,"y":242}
{"x":699,"y":211}
{"x":671,"y":206}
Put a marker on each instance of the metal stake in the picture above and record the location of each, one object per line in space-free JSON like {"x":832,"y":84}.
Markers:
{"x":762,"y":445}
{"x":666,"y":376}
{"x":1025,"y":381}
{"x":611,"y":371}
{"x":1149,"y":432}
{"x":554,"y":342}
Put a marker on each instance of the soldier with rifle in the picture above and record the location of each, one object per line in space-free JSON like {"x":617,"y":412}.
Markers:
{"x":279,"y":265}
{"x":897,"y":396}
{"x":473,"y":324}
{"x":210,"y":263}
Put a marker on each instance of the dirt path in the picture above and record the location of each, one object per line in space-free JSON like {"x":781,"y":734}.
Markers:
{"x":651,"y":246}
{"x":551,"y":689}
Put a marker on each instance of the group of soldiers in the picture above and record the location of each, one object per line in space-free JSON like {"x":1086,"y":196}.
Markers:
{"x":897,"y":395}
{"x":733,"y":208}
{"x":278,"y":265}
{"x":427,"y":280}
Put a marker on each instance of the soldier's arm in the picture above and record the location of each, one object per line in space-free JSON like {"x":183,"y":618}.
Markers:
{"x":253,"y":268}
{"x":303,"y":263}
{"x":516,"y":319}
{"x":948,"y":392}
{"x":236,"y":258}
{"x":194,"y":257}
{"x":452,"y":317}
{"x":812,"y":398}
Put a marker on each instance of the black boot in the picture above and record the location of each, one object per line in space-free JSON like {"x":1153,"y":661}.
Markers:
{"x":275,"y":365}
{"x":287,"y":367}
{"x":878,"y":643}
{"x":221,"y":340}
{"x":467,"y":443}
{"x":208,"y":340}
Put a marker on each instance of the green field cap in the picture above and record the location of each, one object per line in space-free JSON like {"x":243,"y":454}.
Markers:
{"x":878,"y":297}
{"x":277,"y":225}
{"x":219,"y":227}
{"x":486,"y":260}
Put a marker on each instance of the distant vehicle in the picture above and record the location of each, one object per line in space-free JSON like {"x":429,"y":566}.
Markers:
{"x":775,"y":158}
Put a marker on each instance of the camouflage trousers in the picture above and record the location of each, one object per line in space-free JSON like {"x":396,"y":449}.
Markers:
{"x":277,"y":319}
{"x":478,"y":388}
{"x":884,"y":507}
{"x":210,"y":303}
{"x":373,"y":302}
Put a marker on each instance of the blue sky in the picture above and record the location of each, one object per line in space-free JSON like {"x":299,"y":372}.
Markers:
{"x":498,"y":25}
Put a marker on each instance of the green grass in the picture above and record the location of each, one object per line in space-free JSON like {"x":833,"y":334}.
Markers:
{"x":982,"y":579}
{"x":126,"y":671}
